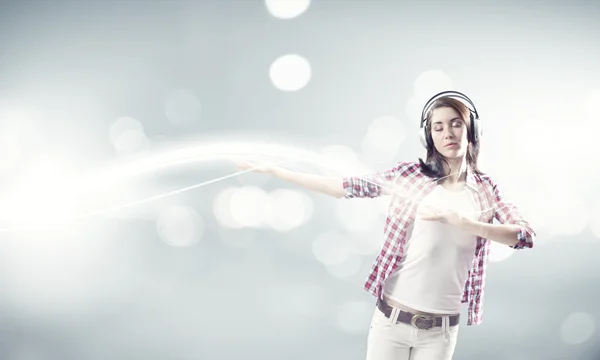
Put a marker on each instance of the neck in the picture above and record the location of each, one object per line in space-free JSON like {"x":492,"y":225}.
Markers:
{"x":457,"y":170}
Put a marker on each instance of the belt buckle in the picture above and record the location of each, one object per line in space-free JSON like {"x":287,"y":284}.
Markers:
{"x":415,"y":318}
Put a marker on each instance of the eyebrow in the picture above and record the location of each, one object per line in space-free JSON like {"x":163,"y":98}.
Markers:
{"x":439,"y":122}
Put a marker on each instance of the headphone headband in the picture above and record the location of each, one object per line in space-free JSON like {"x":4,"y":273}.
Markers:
{"x":473,"y":135}
{"x":450,"y":93}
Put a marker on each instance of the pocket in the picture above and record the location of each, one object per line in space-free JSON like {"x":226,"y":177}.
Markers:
{"x":378,"y":314}
{"x":379,"y":319}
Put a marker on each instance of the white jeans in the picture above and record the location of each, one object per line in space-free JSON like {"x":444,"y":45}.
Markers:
{"x":389,"y":340}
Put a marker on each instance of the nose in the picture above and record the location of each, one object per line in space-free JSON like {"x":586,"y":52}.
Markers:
{"x":448,"y":133}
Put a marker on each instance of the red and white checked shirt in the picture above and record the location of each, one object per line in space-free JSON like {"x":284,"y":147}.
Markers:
{"x":407,"y":186}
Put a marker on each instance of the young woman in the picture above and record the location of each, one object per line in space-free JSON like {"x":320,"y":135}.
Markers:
{"x":436,"y":236}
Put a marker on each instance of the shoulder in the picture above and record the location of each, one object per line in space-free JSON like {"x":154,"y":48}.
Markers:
{"x":484,"y":179}
{"x":408,"y":169}
{"x":487,"y":182}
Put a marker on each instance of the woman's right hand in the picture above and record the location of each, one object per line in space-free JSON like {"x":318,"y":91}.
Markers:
{"x":254,"y":166}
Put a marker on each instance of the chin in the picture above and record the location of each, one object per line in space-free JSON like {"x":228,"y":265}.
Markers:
{"x":453,"y":153}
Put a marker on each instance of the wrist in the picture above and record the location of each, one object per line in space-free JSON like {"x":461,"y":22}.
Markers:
{"x":465,"y":223}
{"x":474,"y":227}
{"x":272,"y":170}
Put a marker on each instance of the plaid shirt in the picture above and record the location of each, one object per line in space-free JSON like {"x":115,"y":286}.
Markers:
{"x":407,"y":186}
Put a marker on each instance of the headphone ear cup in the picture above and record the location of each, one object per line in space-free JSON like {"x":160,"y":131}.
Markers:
{"x":425,"y":138}
{"x":476,"y":130}
{"x":473,"y":130}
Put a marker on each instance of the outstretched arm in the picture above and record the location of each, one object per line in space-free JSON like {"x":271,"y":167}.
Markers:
{"x":371,"y":185}
{"x":327,"y":185}
{"x":513,"y":229}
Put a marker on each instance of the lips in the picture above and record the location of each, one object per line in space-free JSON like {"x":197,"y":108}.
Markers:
{"x":451,"y":145}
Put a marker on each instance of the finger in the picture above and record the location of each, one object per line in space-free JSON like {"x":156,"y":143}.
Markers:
{"x":245,"y":166}
{"x":239,"y":162}
{"x":431,"y":218}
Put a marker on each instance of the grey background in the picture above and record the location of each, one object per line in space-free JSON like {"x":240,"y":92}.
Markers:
{"x":108,"y":287}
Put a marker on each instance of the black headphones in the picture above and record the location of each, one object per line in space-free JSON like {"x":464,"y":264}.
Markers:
{"x":475,"y":131}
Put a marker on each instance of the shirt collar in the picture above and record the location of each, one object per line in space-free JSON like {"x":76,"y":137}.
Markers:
{"x":471,"y":180}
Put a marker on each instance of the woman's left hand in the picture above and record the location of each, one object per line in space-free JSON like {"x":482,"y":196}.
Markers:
{"x":445,"y":216}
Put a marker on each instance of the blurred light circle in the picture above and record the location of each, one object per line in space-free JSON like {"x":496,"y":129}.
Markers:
{"x":431,"y":82}
{"x":288,"y":209}
{"x":341,"y":160}
{"x":131,"y":142}
{"x":358,"y":215}
{"x":366,"y":243}
{"x":121,"y":125}
{"x":287,"y":9}
{"x":179,"y":226}
{"x":353,"y":317}
{"x":222,"y":209}
{"x":577,"y":328}
{"x":248,"y":206}
{"x":347,"y":268}
{"x":182,"y":108}
{"x":331,"y":248}
{"x":383,"y":138}
{"x":127,"y":136}
{"x":290,"y":72}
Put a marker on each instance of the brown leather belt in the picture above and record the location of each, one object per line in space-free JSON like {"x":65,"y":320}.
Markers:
{"x":422,"y":322}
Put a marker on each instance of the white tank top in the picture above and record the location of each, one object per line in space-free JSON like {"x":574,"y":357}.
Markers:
{"x":432,"y":274}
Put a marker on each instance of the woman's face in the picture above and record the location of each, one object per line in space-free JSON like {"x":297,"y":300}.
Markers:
{"x":449,"y":133}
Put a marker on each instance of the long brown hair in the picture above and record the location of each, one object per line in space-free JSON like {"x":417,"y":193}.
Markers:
{"x":433,"y":166}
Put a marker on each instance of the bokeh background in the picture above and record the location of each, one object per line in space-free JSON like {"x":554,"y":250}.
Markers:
{"x":180,"y":258}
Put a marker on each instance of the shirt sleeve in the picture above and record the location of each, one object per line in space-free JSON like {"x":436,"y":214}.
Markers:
{"x":507,"y":213}
{"x":371,"y":185}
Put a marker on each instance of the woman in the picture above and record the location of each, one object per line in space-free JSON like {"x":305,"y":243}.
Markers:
{"x":436,"y":237}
